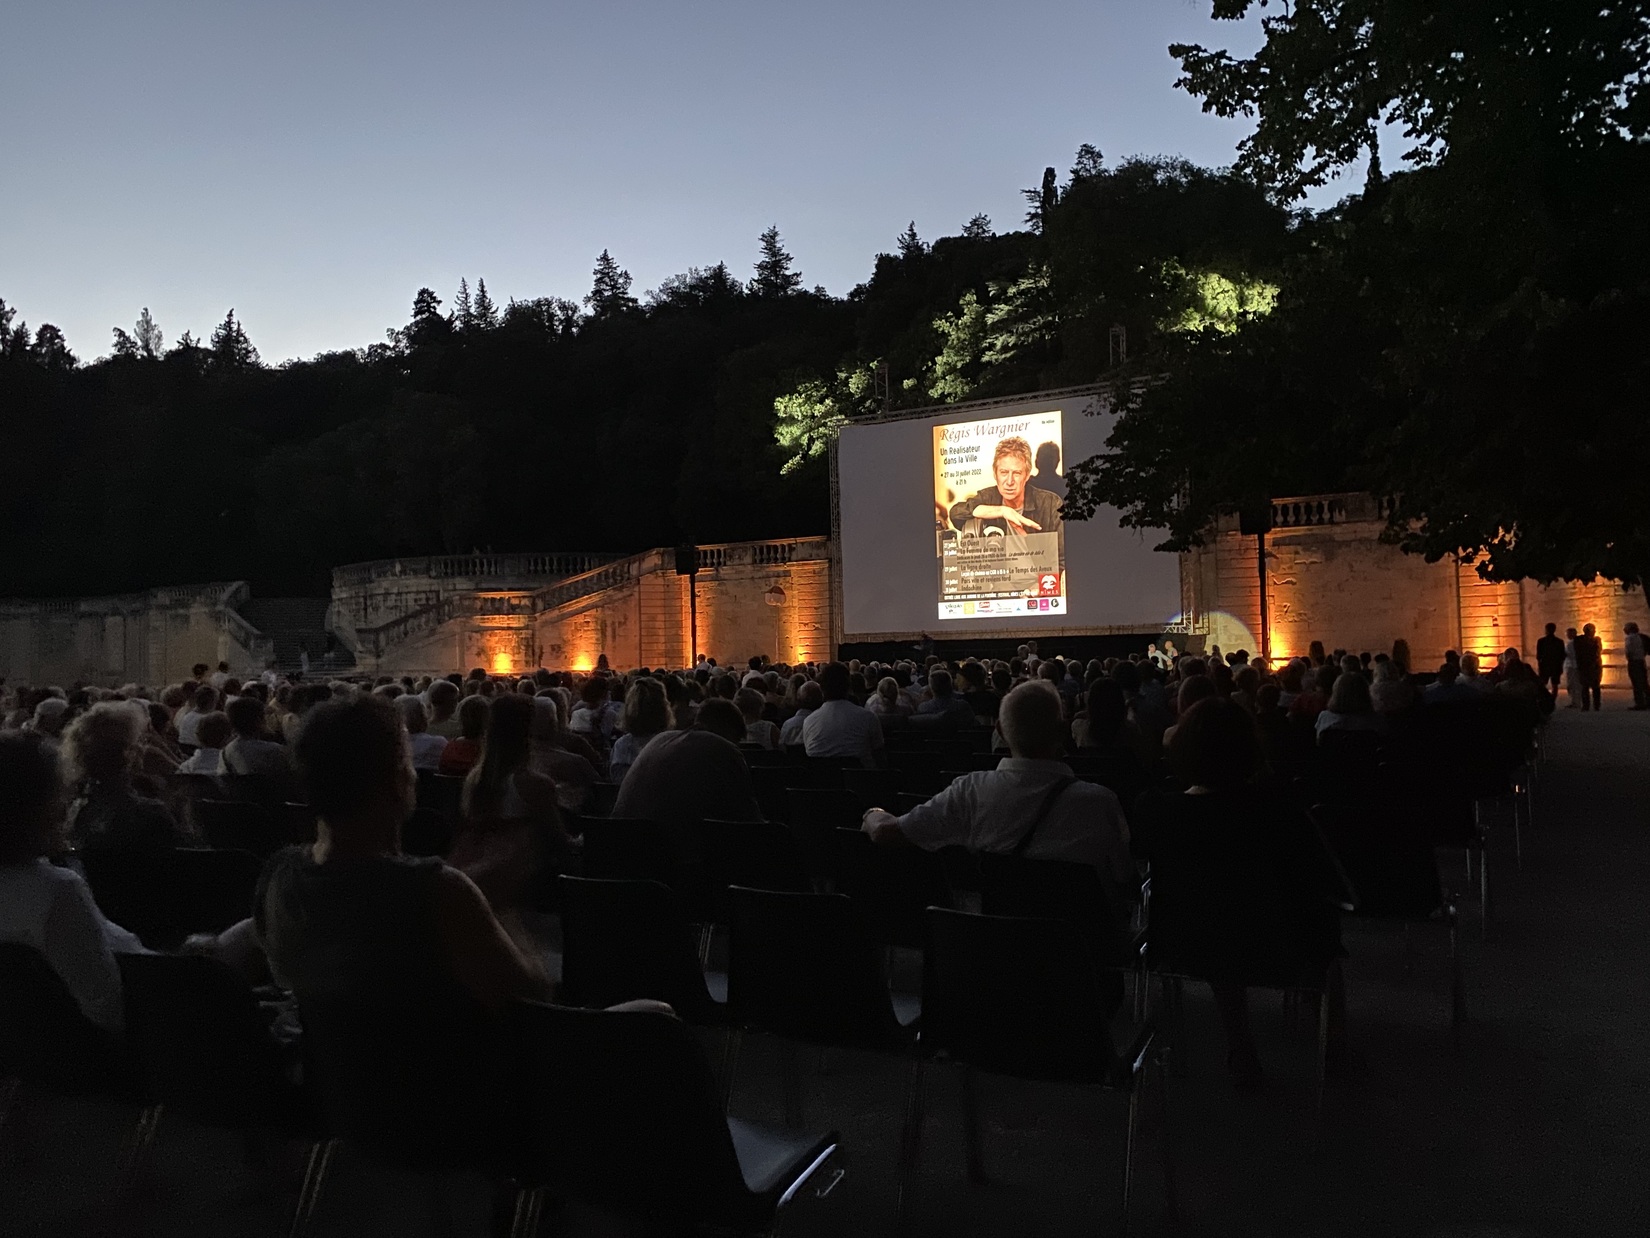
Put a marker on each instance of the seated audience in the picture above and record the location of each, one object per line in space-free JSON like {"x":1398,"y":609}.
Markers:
{"x":1031,"y":803}
{"x":442,"y":697}
{"x":47,"y":907}
{"x":646,"y":716}
{"x":758,"y":731}
{"x":1391,"y":692}
{"x":100,"y":752}
{"x":458,"y":758}
{"x":944,"y":705}
{"x":1350,"y":708}
{"x":203,"y":702}
{"x":839,"y":728}
{"x":248,"y":752}
{"x":1251,"y":892}
{"x":426,"y":749}
{"x":689,"y":776}
{"x":212,"y":733}
{"x":808,"y":699}
{"x":512,"y":832}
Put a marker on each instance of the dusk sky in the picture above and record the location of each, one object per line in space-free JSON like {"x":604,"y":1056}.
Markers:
{"x":312,"y":165}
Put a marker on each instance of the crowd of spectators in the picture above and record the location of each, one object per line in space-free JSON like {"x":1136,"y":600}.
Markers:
{"x":91,"y":768}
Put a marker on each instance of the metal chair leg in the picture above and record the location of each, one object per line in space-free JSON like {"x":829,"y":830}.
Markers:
{"x":1457,"y":985}
{"x":1484,"y":892}
{"x":529,"y":1208}
{"x":1171,"y":1193}
{"x":9,"y":1089}
{"x":731,"y":1042}
{"x":910,"y":1145}
{"x":138,"y":1143}
{"x":790,"y":1074}
{"x":1323,"y":1046}
{"x":315,"y":1172}
{"x":1130,"y":1140}
{"x":972,"y":1147}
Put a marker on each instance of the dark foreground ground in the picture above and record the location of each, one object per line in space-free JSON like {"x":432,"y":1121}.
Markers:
{"x":1539,"y":1127}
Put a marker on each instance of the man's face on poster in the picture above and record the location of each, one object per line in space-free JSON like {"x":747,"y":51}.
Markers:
{"x":1012,"y":472}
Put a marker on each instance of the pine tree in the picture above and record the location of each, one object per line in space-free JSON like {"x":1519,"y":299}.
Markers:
{"x":149,"y":339}
{"x":231,"y":346}
{"x":978,"y":228}
{"x":14,"y":341}
{"x":428,"y":324}
{"x":910,"y":244}
{"x":51,"y":349}
{"x":1089,"y":162}
{"x":610,"y":291}
{"x":484,"y":312}
{"x":774,"y":276}
{"x":464,"y":314}
{"x":426,"y":305}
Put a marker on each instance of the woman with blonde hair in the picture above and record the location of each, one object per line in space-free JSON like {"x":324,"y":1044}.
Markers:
{"x":101,"y":751}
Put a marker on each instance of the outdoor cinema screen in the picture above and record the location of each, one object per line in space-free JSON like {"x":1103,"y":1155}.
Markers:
{"x":991,"y":552}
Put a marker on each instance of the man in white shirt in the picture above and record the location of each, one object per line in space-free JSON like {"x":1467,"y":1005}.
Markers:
{"x":1634,"y":650}
{"x":839,"y":728}
{"x":204,"y":702}
{"x":808,"y":699}
{"x":1032,"y":791}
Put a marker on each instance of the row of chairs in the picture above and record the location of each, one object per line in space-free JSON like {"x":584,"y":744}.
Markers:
{"x":617,"y":1109}
{"x":1023,"y":996}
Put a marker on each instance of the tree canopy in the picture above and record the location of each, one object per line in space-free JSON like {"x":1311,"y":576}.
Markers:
{"x":1458,"y":335}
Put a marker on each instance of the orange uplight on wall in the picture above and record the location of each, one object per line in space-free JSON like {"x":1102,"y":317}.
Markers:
{"x":503,"y":664}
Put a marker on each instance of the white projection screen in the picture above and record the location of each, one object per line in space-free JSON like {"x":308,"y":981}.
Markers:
{"x":948,"y":521}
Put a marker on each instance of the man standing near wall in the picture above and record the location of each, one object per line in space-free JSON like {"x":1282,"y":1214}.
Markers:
{"x":1549,"y":660}
{"x":1590,"y":666}
{"x":1634,"y":648}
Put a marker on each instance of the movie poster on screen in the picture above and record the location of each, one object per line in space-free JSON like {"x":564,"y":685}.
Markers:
{"x":999,"y":539}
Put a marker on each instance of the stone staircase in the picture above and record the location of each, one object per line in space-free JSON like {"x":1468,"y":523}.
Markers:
{"x":294,"y":624}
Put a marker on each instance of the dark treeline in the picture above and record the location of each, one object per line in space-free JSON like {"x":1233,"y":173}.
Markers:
{"x":1465,"y":334}
{"x":698,"y":411}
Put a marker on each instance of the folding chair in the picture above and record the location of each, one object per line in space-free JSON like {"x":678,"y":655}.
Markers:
{"x":240,"y":825}
{"x":1020,"y":997}
{"x":624,"y":1114}
{"x":47,"y":1042}
{"x":627,"y":940}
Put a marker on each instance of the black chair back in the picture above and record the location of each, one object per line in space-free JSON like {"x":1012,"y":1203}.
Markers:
{"x":425,"y":1081}
{"x":45,"y":1039}
{"x":805,"y":966}
{"x":427,"y":832}
{"x":625,"y":1115}
{"x":1389,"y":861}
{"x":240,"y":825}
{"x":1013,"y":996}
{"x":202,"y":1043}
{"x":892,"y":886}
{"x":632,"y":849}
{"x":627,"y":940}
{"x":440,"y":793}
{"x":1072,"y":893}
{"x":872,"y":788}
{"x":814,"y":814}
{"x":163,"y":896}
{"x":604,"y":796}
{"x":761,"y":854}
